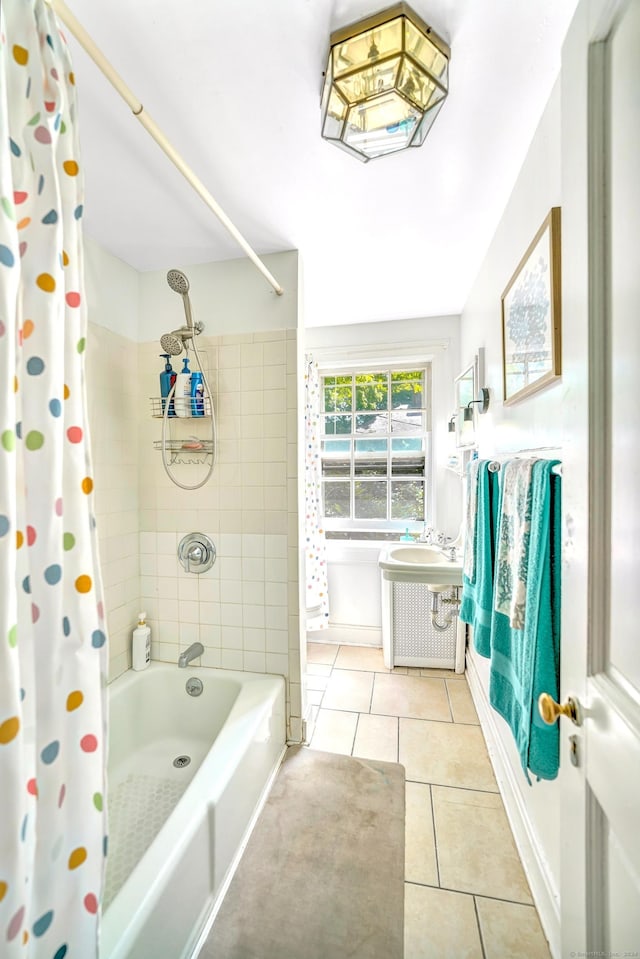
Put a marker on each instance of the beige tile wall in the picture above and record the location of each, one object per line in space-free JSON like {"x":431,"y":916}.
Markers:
{"x":112,"y":397}
{"x":245,"y":609}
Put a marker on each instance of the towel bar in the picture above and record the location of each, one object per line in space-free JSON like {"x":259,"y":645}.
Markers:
{"x":494,"y":466}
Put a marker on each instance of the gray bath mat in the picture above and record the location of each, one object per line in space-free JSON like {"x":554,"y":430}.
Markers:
{"x":322,"y":876}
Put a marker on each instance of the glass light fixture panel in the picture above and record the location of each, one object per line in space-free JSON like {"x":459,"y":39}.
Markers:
{"x":426,"y":123}
{"x":382,"y":125}
{"x":362,"y":50}
{"x":369,"y":81}
{"x":336,"y":113}
{"x":426,"y":53}
{"x":416,"y":85}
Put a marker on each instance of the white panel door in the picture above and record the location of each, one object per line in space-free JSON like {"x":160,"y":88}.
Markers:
{"x":600,"y":666}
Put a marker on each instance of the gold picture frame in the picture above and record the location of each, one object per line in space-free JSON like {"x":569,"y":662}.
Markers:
{"x":531,"y":316}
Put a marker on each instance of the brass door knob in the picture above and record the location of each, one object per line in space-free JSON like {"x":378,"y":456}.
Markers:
{"x":550,"y":710}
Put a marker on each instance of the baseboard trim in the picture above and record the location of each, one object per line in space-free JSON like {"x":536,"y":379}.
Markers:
{"x":535,"y":868}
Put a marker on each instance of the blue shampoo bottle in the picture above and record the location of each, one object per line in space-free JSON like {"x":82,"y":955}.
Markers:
{"x":167,"y":379}
{"x":197,"y":394}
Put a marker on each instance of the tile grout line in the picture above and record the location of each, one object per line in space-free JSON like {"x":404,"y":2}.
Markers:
{"x":435,"y":835}
{"x":473,"y":789}
{"x":453,"y":717}
{"x":475,"y":909}
{"x":355,"y":733}
{"x":480,"y":895}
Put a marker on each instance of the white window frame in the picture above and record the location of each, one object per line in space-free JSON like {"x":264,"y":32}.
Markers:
{"x":388,"y":366}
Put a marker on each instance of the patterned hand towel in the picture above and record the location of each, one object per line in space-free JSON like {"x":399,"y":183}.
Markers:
{"x":513,"y":541}
{"x":477,"y":591}
{"x":526,"y":661}
{"x":471,"y":519}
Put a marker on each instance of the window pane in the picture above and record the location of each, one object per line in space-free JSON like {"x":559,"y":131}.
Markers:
{"x":336,"y":467}
{"x":407,"y":421}
{"x":372,"y":423}
{"x":374,"y":446}
{"x":371,"y":446}
{"x":336,"y":446}
{"x":370,"y":499}
{"x":406,"y":444}
{"x":337,"y":500}
{"x":407,"y":500}
{"x":337,"y":397}
{"x":407,"y":390}
{"x":407,"y":466}
{"x":371,"y":467}
{"x":371,"y":391}
{"x":337,"y":424}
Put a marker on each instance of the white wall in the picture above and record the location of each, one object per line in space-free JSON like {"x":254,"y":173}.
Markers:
{"x":536,"y":422}
{"x":228,"y":297}
{"x":112,"y":291}
{"x":354,"y":590}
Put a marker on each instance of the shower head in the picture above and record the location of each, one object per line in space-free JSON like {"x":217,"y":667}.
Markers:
{"x":178,"y":282}
{"x":173,"y":343}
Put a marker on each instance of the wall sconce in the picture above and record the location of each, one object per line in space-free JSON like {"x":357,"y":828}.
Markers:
{"x":482,"y":402}
{"x":386,"y":79}
{"x":452,"y":425}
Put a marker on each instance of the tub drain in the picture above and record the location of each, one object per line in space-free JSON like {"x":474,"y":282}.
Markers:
{"x":181,"y":761}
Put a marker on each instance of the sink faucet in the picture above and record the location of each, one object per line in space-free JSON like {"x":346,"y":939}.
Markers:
{"x":451,"y":553}
{"x":195,"y":650}
{"x":442,"y":539}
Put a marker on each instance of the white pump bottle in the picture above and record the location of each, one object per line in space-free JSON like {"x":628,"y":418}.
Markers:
{"x":141,"y":644}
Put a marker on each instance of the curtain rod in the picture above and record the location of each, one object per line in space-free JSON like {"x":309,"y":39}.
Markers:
{"x":86,"y":42}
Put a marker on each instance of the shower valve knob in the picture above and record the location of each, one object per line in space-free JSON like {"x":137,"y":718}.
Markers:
{"x":196,"y":553}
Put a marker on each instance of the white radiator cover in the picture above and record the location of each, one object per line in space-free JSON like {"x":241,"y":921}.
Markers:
{"x":415,"y":641}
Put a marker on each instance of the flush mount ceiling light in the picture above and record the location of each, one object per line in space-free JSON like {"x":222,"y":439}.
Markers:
{"x":387,"y":77}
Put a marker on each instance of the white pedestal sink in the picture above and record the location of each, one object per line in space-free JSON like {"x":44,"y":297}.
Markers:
{"x":410,"y":573}
{"x":419,"y":564}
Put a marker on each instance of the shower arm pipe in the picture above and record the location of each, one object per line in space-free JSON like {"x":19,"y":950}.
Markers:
{"x":152,"y":128}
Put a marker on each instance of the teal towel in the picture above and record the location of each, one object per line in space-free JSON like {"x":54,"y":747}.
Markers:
{"x":526,"y":662}
{"x":477,"y":593}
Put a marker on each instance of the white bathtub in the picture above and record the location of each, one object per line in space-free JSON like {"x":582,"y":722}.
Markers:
{"x":175,"y":832}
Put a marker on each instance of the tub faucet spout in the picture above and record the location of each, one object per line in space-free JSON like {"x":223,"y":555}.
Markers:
{"x":195,"y":650}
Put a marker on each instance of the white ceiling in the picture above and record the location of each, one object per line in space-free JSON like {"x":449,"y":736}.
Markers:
{"x":235,"y":86}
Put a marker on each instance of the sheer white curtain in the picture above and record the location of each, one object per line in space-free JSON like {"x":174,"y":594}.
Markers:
{"x":317,"y":594}
{"x":52,"y":629}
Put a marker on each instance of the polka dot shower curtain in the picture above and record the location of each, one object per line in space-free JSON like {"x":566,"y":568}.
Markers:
{"x":52,"y":632}
{"x":317,"y":593}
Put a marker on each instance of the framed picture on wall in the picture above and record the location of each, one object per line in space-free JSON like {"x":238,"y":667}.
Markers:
{"x":531,"y":320}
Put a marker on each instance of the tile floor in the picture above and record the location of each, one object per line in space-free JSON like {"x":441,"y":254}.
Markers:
{"x":466,"y":896}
